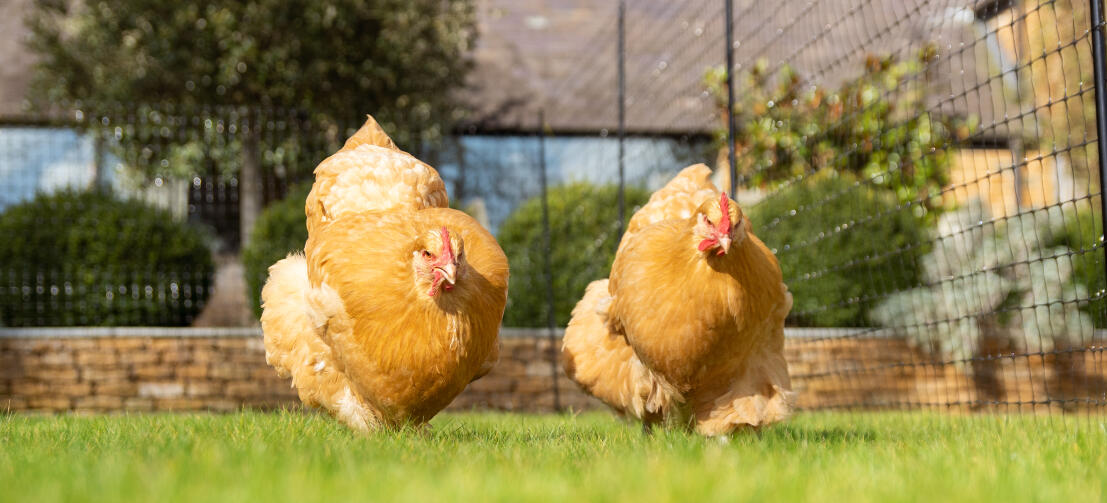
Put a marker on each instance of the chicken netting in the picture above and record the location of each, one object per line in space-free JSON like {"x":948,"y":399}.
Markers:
{"x":926,"y":172}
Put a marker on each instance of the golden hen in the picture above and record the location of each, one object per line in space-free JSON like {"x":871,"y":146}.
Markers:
{"x":689,"y":327}
{"x":396,"y":304}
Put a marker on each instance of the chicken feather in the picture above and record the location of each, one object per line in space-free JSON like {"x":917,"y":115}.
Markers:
{"x":396,"y":304}
{"x":676,"y":200}
{"x":293,"y":348}
{"x":370,"y":174}
{"x":406,"y":353}
{"x":605,"y":366}
{"x":703,"y":317}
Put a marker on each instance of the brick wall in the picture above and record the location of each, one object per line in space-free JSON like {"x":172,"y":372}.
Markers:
{"x":224,"y":369}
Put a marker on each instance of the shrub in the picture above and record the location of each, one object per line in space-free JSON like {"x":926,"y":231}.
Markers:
{"x":840,"y":243}
{"x":583,"y":225}
{"x":77,"y":258}
{"x":280,"y":229}
{"x":1003,"y":280}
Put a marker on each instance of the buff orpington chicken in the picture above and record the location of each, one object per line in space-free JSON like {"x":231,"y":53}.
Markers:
{"x":395,"y":305}
{"x":689,"y":327}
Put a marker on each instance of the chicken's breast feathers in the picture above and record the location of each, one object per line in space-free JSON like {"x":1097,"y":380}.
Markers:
{"x":759,"y":391}
{"x":712,"y":326}
{"x":407,"y":353}
{"x":489,"y":363}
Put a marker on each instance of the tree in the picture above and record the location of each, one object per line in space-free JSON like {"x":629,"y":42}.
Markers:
{"x":252,"y":85}
{"x":874,"y":126}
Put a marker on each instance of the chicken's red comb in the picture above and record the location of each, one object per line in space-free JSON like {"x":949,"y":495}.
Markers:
{"x":724,"y":206}
{"x":446,"y":255}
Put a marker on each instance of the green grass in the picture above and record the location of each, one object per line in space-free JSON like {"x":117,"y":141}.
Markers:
{"x":293,"y":456}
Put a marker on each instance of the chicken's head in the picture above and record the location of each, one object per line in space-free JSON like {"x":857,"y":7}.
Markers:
{"x":718,"y":225}
{"x":438,"y":261}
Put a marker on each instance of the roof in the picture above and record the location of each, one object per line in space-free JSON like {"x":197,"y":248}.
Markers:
{"x":15,"y":74}
{"x":560,"y":56}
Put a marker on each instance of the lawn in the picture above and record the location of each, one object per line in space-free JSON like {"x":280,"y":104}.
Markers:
{"x":299,"y":457}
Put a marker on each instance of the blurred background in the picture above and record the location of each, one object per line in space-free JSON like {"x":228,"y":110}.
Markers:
{"x":926,"y":171}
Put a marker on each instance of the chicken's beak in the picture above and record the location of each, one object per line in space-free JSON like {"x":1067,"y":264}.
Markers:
{"x":449,"y":273}
{"x":724,"y":245}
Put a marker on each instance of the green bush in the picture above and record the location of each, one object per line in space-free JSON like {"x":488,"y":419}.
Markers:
{"x":280,"y":229}
{"x":846,"y":245}
{"x":583,"y":226}
{"x":76,"y":258}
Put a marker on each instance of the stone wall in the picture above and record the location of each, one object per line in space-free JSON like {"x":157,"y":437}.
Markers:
{"x":887,"y":372}
{"x":219,"y":369}
{"x":138,"y":374}
{"x":224,"y":369}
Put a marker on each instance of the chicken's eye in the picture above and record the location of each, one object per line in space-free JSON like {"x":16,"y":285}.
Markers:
{"x":426,"y":254}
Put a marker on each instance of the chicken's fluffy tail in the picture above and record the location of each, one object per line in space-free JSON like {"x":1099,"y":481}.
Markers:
{"x":293,"y":348}
{"x":604,"y":365}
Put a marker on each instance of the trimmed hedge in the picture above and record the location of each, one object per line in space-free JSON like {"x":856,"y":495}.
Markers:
{"x":85,"y":258}
{"x":583,"y":220}
{"x":280,"y":229}
{"x":836,"y":260}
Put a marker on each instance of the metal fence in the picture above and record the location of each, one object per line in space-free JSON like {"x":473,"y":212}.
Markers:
{"x":926,"y":171}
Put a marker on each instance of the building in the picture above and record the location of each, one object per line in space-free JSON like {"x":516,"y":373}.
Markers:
{"x":558,"y":58}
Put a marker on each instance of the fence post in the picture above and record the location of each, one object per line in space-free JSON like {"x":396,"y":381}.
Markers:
{"x":621,"y":58}
{"x":730,"y":126}
{"x":551,"y":324}
{"x":249,"y":176}
{"x":99,"y":178}
{"x":1098,"y":66}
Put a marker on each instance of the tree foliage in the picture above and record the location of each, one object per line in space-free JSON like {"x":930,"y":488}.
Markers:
{"x":874,"y":126}
{"x":249,"y":87}
{"x":334,"y":60}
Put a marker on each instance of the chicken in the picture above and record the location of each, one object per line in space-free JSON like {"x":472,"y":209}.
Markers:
{"x":689,"y":327}
{"x":395,"y":305}
{"x":370,"y":174}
